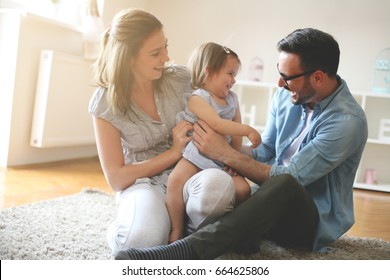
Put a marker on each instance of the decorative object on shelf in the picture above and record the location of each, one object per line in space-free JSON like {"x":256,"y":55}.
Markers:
{"x":92,"y":29}
{"x":381,"y":81}
{"x":384,"y":130}
{"x":256,"y":69}
{"x":370,"y":177}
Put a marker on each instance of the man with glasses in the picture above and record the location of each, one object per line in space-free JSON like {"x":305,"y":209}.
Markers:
{"x":305,"y":166}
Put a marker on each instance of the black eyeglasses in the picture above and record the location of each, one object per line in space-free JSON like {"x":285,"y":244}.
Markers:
{"x":289,"y":78}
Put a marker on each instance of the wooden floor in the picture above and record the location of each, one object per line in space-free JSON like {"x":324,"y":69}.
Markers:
{"x":27,"y":184}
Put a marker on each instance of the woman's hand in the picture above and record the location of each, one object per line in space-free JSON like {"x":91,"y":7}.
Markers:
{"x":180,"y":135}
{"x":210,"y":143}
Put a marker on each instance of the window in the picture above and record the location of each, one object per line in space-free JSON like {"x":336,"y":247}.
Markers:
{"x":67,"y":11}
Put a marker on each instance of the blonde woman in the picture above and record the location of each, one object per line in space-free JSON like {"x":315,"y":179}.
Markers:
{"x":138,"y":141}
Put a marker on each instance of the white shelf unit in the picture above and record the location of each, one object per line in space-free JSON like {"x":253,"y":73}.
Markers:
{"x":376,"y":155}
{"x":255,"y":100}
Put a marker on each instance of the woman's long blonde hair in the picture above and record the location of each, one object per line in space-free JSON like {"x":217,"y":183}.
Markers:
{"x":120,"y":44}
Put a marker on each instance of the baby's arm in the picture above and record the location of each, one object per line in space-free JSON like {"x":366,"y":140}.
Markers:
{"x":236,"y":142}
{"x":204,"y":111}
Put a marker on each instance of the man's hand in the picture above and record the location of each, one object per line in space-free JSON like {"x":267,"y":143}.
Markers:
{"x":215,"y":146}
{"x":210,"y":143}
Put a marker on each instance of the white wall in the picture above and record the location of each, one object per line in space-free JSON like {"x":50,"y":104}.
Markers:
{"x":111,"y":7}
{"x":253,"y":27}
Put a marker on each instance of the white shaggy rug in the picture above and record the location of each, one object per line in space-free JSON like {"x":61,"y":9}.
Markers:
{"x":74,"y":228}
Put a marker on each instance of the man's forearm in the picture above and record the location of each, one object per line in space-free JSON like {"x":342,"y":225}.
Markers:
{"x":246,"y":166}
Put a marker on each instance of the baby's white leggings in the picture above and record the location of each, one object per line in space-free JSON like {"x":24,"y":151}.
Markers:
{"x":143,"y":221}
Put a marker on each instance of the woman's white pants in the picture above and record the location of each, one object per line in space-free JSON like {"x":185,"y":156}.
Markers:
{"x":143,"y":220}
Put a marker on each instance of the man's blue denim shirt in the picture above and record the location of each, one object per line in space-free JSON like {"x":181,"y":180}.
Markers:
{"x":328,"y":157}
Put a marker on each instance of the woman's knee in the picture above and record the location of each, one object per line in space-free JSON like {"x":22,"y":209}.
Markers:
{"x":208,"y":196}
{"x":210,"y":183}
{"x":142,"y":220}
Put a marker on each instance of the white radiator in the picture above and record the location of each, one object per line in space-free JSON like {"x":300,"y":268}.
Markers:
{"x":61,"y":117}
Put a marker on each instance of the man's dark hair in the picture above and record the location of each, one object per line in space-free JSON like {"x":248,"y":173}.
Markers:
{"x":317,"y":50}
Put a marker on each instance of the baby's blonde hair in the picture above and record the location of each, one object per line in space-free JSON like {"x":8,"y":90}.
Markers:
{"x":211,"y":56}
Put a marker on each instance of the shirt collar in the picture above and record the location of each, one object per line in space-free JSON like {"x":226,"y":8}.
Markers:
{"x":325,"y":102}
